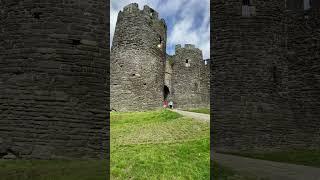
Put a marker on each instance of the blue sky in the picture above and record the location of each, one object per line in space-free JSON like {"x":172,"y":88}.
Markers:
{"x":188,"y":21}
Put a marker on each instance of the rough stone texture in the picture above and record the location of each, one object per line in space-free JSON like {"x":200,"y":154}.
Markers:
{"x":189,"y":78}
{"x":204,"y":87}
{"x":168,"y":77}
{"x":303,"y":55}
{"x":265,"y":80}
{"x":53,"y":78}
{"x":137,"y":63}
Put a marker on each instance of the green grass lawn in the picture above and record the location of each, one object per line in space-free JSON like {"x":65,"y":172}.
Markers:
{"x":159,"y":145}
{"x":200,"y":110}
{"x":302,"y":157}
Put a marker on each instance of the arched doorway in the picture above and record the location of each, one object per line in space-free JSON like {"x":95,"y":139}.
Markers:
{"x":166,"y":92}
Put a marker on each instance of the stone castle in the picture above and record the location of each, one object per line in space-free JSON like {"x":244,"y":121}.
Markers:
{"x":265,"y":73}
{"x":143,"y":75}
{"x":54,"y":87}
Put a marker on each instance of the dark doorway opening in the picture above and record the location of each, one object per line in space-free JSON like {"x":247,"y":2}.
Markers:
{"x":166,"y":92}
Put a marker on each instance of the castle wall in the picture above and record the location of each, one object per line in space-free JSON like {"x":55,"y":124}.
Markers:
{"x":53,"y":69}
{"x":303,"y":49}
{"x":137,"y":62}
{"x":168,"y":76}
{"x":204,"y":88}
{"x":186,"y":79}
{"x":264,"y":65}
{"x":249,"y":95}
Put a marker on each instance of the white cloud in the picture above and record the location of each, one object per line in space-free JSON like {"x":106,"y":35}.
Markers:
{"x":187,"y":28}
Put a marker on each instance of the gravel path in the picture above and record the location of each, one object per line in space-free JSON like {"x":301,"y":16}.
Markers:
{"x":193,"y":115}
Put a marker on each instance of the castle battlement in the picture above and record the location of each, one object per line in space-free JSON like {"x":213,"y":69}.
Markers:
{"x":189,"y":46}
{"x":133,"y":7}
{"x":150,"y":12}
{"x":147,"y":10}
{"x":179,"y":47}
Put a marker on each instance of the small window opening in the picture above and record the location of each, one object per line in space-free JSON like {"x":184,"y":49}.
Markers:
{"x":246,"y":2}
{"x":75,"y":42}
{"x":187,"y":63}
{"x":145,"y":84}
{"x":133,"y":74}
{"x":275,"y":75}
{"x":248,"y":9}
{"x":36,"y":15}
{"x":307,"y":4}
{"x":160,"y":42}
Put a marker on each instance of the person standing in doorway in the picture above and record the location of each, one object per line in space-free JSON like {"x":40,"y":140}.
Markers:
{"x":171,"y":105}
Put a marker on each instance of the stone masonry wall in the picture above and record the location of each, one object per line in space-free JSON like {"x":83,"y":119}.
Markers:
{"x":168,"y":76}
{"x":204,"y":87}
{"x":138,"y":60}
{"x":303,"y":54}
{"x":53,"y":70}
{"x":264,"y":95}
{"x":249,"y":109}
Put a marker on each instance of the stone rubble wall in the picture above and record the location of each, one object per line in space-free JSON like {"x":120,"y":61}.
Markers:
{"x":204,"y":87}
{"x":262,"y":98}
{"x":303,"y":54}
{"x":168,"y":75}
{"x":53,"y":79}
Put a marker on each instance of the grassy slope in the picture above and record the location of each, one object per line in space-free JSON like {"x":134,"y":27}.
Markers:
{"x":158,"y":145}
{"x":162,"y":145}
{"x":200,"y":110}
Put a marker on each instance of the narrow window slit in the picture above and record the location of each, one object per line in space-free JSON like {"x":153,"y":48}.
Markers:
{"x":75,"y":42}
{"x":37,"y":15}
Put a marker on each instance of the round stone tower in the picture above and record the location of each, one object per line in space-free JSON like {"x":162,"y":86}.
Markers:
{"x":138,"y":60}
{"x":250,"y":76}
{"x":186,"y":79}
{"x":303,"y":45}
{"x":53,"y":72}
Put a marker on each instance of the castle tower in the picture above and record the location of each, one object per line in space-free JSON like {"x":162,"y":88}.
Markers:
{"x":303,"y":54}
{"x":53,"y":79}
{"x":138,"y":60}
{"x":250,"y":76}
{"x":265,"y":85}
{"x":186,"y":78}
